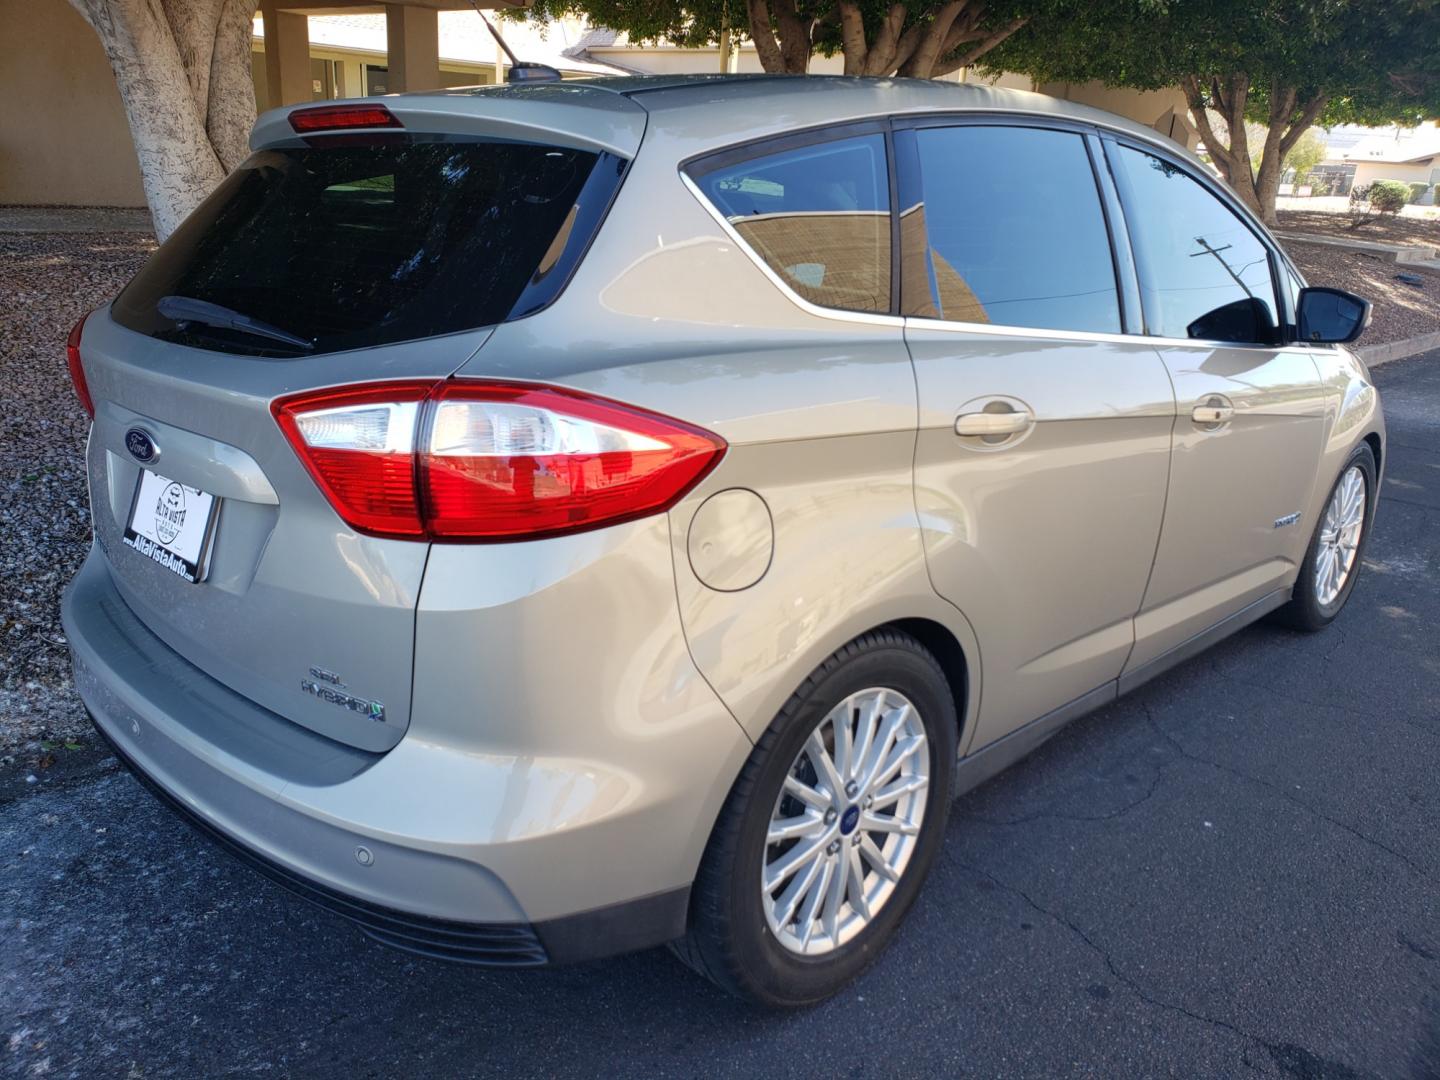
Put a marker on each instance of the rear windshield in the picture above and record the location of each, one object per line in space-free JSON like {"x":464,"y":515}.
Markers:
{"x":347,"y":246}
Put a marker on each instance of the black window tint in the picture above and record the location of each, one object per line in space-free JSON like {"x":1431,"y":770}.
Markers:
{"x":1016,"y":233}
{"x":358,"y":245}
{"x":1203,"y":273}
{"x":818,"y":215}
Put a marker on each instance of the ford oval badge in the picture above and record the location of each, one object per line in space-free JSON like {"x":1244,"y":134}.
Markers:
{"x":141,"y":446}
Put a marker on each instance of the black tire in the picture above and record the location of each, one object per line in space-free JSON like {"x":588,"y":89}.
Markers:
{"x":1304,"y":611}
{"x":729,"y":940}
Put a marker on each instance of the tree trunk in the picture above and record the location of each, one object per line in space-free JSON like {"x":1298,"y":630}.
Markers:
{"x":951,"y":38}
{"x":183,"y":71}
{"x":1288,"y":120}
{"x":781,"y":35}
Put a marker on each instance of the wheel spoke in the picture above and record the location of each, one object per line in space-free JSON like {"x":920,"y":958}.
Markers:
{"x":810,"y":910}
{"x":797,"y":788}
{"x":824,"y":765}
{"x":887,"y":796}
{"x":787,"y":864}
{"x":806,"y":824}
{"x":833,"y":899}
{"x":875,"y":823}
{"x":866,"y":724}
{"x":855,"y":883}
{"x":877,"y":859}
{"x":800,"y":888}
{"x":897,"y":759}
{"x":840,"y":720}
{"x":881,"y":746}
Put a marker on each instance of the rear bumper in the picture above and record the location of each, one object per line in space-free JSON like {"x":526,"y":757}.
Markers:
{"x":408,"y":844}
{"x":638,"y":924}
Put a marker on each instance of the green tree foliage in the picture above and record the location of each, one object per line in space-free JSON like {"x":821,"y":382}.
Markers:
{"x":1308,"y":151}
{"x":921,"y":38}
{"x":1285,"y":64}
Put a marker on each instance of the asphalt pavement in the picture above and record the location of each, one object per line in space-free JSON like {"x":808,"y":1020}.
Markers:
{"x":1232,"y":872}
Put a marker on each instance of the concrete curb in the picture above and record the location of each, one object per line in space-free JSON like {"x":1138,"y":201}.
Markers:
{"x":1398,"y":350}
{"x":1403,"y":254}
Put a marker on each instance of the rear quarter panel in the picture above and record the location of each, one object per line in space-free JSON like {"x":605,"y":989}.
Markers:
{"x":668,"y":313}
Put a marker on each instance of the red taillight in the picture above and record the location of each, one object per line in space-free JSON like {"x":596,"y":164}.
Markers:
{"x":77,"y":368}
{"x":359,"y":445}
{"x":480,"y":460}
{"x":342,"y":118}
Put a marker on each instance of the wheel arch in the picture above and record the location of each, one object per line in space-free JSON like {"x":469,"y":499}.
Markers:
{"x":1373,"y":440}
{"x":947,"y":650}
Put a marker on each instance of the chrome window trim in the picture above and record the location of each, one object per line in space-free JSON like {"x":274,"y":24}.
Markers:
{"x":844,"y":129}
{"x":904,"y":322}
{"x":1001,"y":330}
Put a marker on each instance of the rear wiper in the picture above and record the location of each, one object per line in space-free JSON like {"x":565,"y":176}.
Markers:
{"x":188,"y":309}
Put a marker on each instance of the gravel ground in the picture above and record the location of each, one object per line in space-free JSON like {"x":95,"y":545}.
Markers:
{"x":1401,"y":310}
{"x":48,"y":282}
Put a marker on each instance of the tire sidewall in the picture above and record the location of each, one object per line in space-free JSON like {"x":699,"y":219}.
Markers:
{"x":776,"y":974}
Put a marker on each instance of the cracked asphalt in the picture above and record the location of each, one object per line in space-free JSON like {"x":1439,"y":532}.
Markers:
{"x":1232,"y":872}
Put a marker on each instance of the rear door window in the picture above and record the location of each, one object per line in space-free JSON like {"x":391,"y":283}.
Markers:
{"x":1004,"y":225}
{"x":350,"y":246}
{"x":818,"y":215}
{"x":1204,"y":273}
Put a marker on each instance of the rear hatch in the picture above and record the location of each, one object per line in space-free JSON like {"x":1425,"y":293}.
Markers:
{"x":326,"y":260}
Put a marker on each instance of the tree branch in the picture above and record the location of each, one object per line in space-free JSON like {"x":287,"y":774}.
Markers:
{"x":922,"y":63}
{"x":1195,"y":99}
{"x":766,"y":47}
{"x":795,"y":44}
{"x":951,"y":63}
{"x":882,"y":59}
{"x":1308,"y":116}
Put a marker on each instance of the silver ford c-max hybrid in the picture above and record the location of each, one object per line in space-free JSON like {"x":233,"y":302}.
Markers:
{"x":547,"y":521}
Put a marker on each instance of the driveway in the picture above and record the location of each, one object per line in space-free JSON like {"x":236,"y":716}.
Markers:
{"x":1233,"y":871}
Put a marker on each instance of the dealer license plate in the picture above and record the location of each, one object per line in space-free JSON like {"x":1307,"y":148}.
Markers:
{"x":171,"y":523}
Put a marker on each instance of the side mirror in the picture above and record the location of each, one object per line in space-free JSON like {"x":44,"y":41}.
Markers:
{"x":1330,"y":315}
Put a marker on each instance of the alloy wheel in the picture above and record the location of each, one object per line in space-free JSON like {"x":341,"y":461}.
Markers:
{"x":846,"y":823}
{"x":1340,"y":536}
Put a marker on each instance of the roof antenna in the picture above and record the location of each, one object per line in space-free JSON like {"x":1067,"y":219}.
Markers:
{"x":520,"y":71}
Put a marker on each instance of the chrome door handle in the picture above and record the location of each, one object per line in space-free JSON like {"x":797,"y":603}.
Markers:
{"x":1212,"y":413}
{"x":992,"y":423}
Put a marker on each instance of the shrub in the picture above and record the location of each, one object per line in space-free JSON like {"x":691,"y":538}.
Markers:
{"x":1417,"y":192}
{"x":1360,"y":212}
{"x":1389,"y":196}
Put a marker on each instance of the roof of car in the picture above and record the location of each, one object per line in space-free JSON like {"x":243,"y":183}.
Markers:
{"x":763,"y":104}
{"x":705,"y":111}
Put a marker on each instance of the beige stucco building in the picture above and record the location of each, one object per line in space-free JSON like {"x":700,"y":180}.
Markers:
{"x":64,"y":138}
{"x":1411,"y":165}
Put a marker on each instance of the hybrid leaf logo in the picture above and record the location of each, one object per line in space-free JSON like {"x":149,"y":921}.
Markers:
{"x":326,"y":686}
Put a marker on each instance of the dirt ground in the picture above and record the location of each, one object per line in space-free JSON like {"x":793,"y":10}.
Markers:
{"x":1389,"y":229}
